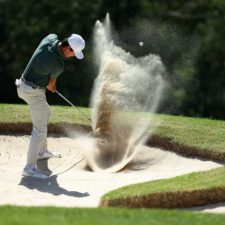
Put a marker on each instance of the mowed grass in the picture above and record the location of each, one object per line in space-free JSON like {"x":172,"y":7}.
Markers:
{"x":194,"y":181}
{"x":200,"y":133}
{"x":77,"y":216}
{"x":12,"y":113}
{"x":195,"y":132}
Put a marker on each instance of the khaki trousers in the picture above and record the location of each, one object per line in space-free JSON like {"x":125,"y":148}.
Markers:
{"x":40,"y":113}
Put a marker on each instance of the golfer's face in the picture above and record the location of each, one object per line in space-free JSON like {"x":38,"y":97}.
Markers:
{"x":69,"y":52}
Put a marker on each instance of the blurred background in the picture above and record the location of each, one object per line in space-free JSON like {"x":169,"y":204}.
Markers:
{"x":188,"y":36}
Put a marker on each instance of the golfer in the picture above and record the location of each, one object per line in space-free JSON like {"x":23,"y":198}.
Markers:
{"x":42,"y":71}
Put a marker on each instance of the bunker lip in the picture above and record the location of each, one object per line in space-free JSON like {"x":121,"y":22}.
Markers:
{"x":62,"y":129}
{"x":71,"y":183}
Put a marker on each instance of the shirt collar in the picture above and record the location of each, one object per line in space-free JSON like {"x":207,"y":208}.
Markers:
{"x":55,"y":48}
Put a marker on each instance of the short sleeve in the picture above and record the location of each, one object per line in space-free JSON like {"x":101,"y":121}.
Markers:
{"x":52,"y":37}
{"x":55,"y":73}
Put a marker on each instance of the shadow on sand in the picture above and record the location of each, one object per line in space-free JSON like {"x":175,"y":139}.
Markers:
{"x":49,"y":185}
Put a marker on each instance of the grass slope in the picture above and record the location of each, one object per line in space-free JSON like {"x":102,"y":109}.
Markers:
{"x":196,"y":188}
{"x":205,"y":134}
{"x":195,"y":132}
{"x":67,"y":216}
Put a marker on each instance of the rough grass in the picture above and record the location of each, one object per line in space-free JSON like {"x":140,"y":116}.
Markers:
{"x":67,"y":216}
{"x":197,"y":188}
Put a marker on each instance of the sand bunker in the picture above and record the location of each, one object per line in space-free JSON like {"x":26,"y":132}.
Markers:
{"x":71,"y":183}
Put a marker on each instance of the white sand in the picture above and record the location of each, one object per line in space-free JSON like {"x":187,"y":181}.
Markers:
{"x":211,"y":208}
{"x":75,"y":186}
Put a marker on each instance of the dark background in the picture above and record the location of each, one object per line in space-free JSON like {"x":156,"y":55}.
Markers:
{"x":188,"y":35}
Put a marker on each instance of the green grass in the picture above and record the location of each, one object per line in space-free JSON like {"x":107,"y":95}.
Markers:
{"x":194,"y":132}
{"x":11,"y":113}
{"x":190,"y":182}
{"x":67,"y":216}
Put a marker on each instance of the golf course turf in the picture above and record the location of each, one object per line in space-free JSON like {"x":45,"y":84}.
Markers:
{"x":12,"y":215}
{"x":189,"y":190}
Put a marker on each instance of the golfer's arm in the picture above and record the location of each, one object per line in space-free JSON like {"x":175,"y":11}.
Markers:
{"x":51,"y":85}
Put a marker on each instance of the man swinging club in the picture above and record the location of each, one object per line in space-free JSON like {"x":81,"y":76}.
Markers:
{"x":46,"y":64}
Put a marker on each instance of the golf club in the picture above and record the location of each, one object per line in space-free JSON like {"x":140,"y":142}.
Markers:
{"x":57,"y":92}
{"x":63,"y":97}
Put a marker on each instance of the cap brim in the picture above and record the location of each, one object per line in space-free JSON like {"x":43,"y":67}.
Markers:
{"x":79,"y":55}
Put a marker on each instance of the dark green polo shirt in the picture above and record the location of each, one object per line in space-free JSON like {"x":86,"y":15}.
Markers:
{"x":47,"y":61}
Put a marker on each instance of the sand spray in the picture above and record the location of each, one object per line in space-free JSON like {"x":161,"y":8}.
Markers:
{"x":125,"y":96}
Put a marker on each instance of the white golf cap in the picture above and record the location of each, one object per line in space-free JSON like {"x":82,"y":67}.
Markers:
{"x":77,"y":43}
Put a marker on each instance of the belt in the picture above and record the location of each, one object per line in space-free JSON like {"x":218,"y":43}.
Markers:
{"x":34,"y":86}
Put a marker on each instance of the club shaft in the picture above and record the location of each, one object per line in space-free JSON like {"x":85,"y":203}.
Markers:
{"x":64,"y":98}
{"x":70,"y":103}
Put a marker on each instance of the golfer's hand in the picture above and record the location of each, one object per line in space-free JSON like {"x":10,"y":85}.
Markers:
{"x":52,"y":85}
{"x":51,"y":88}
